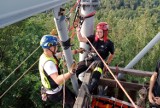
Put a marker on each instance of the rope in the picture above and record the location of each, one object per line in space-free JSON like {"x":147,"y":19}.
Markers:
{"x":77,"y":18}
{"x":112,"y":74}
{"x":72,"y":28}
{"x":64,"y":81}
{"x":72,"y":9}
{"x":77,"y":12}
{"x":19,"y":66}
{"x":75,"y":5}
{"x":18,"y":79}
{"x":64,"y":90}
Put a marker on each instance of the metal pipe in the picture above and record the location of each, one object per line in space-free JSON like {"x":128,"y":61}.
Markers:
{"x":141,"y":53}
{"x":22,"y":9}
{"x":63,"y":35}
{"x":87,"y":7}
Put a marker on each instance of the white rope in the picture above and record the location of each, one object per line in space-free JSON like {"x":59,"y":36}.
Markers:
{"x":18,"y":79}
{"x":19,"y":65}
{"x":64,"y":81}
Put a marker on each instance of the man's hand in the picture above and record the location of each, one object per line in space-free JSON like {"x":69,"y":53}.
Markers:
{"x":81,"y":50}
{"x":73,"y":68}
{"x":76,"y":23}
{"x":157,"y":100}
{"x":151,"y":98}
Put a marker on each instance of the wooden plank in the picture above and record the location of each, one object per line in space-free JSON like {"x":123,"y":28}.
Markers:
{"x":82,"y":93}
{"x":87,"y":77}
{"x":79,"y":100}
{"x":112,"y":83}
{"x":132,"y":71}
{"x":126,"y":85}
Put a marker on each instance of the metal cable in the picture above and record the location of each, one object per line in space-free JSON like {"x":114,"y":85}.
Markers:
{"x":19,"y":65}
{"x":19,"y":78}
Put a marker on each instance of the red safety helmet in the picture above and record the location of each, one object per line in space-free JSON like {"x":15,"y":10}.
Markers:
{"x":104,"y":26}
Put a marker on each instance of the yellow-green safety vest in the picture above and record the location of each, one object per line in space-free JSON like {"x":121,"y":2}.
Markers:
{"x":44,"y":79}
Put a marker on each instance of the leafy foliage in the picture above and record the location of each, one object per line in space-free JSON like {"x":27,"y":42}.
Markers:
{"x":133,"y":24}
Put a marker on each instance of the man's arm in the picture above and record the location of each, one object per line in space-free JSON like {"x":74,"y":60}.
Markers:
{"x":111,"y":50}
{"x":79,"y":36}
{"x":157,"y":100}
{"x":52,"y":71}
{"x":59,"y":79}
{"x":110,"y":58}
{"x":152,"y":82}
{"x":76,"y":51}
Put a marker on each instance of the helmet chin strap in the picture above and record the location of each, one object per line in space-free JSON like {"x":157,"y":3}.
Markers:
{"x":53,"y":52}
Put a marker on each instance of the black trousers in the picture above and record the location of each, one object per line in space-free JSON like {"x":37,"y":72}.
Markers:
{"x":83,"y":65}
{"x":53,"y":99}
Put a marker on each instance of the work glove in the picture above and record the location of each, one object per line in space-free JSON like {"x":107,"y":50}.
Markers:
{"x":73,"y":68}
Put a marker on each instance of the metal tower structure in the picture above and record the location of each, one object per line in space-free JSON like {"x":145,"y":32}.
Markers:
{"x":17,"y":10}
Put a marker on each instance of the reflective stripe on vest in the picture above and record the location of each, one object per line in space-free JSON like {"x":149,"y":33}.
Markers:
{"x":98,"y":69}
{"x":44,"y":79}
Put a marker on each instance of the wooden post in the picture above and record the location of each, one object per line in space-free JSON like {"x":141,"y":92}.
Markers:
{"x":120,"y":92}
{"x":133,"y":93}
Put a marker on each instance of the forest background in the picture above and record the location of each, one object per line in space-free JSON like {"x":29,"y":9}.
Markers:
{"x":133,"y":23}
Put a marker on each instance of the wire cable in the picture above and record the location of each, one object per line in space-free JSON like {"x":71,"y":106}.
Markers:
{"x":19,"y":78}
{"x":19,"y":65}
{"x":112,"y":74}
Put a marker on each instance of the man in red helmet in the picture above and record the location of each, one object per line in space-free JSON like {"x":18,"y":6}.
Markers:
{"x":104,"y":47}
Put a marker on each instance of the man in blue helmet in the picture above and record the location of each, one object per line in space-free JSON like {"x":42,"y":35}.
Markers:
{"x":154,"y":88}
{"x":51,"y":78}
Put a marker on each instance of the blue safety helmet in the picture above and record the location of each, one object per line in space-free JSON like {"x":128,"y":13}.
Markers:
{"x":48,"y":40}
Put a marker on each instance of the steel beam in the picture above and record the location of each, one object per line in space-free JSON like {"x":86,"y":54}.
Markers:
{"x":12,"y":11}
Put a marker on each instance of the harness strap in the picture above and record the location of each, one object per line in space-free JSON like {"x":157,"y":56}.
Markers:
{"x":52,"y":91}
{"x":66,"y":44}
